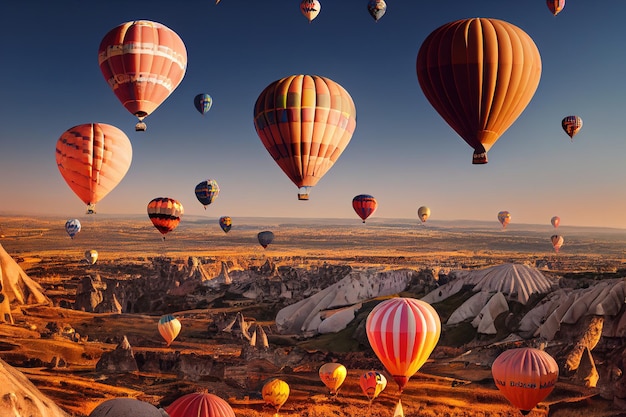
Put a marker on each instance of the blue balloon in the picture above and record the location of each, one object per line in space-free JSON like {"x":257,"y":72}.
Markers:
{"x":72,"y":227}
{"x":265,"y":238}
{"x":203,"y":103}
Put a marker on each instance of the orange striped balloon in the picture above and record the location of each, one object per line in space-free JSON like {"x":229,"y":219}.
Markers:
{"x":403,"y":333}
{"x":305,"y":122}
{"x":364,"y":205}
{"x":200,"y":404}
{"x":165,"y":214}
{"x":93,"y":158}
{"x":525,"y":376}
{"x":143,"y":62}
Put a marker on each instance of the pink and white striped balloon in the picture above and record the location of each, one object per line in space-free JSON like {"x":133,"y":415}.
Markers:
{"x":403,"y":333}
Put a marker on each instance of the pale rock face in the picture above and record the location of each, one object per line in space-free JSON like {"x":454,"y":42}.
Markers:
{"x":20,"y":398}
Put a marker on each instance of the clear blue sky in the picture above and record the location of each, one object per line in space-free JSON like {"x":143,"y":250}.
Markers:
{"x":402,"y":152}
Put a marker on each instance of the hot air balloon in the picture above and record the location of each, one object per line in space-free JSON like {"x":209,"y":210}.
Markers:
{"x":423,"y":213}
{"x":557,"y":242}
{"x":479,"y":74}
{"x":143,"y":62}
{"x":403,"y":332}
{"x":207,"y":191}
{"x":91,"y":256}
{"x":310,"y":9}
{"x":203,"y":103}
{"x":364,"y":205}
{"x":572,"y":125}
{"x":200,"y":404}
{"x":376,"y":8}
{"x":556,"y":220}
{"x":372,"y":383}
{"x":93,"y":158}
{"x":555,"y":6}
{"x":169,"y":328}
{"x":265,"y":238}
{"x":332,"y":375}
{"x":305,"y":122}
{"x":504,"y":217}
{"x":525,"y":376}
{"x":226,"y":223}
{"x":165,"y":214}
{"x":124,"y":407}
{"x":72,"y":227}
{"x":275,"y":393}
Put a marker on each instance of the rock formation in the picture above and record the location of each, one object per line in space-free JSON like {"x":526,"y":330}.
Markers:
{"x":121,"y":359}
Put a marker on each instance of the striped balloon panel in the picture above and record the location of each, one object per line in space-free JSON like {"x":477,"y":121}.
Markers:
{"x":93,"y":158}
{"x":200,"y":405}
{"x":165,"y":213}
{"x":143,"y":62}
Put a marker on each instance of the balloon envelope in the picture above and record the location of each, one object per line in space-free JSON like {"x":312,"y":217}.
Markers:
{"x":555,"y":6}
{"x":376,"y":8}
{"x":556,"y":220}
{"x":364,"y":205}
{"x":91,"y":256}
{"x":479,"y":74}
{"x":265,"y":238}
{"x":124,"y":407}
{"x":310,"y":9}
{"x":504,"y":217}
{"x":372,"y":383}
{"x":143,"y":62}
{"x":207,"y":191}
{"x":572,"y":125}
{"x":275,"y":392}
{"x":403,"y":332}
{"x":525,"y":376}
{"x":305,"y":122}
{"x":423,"y":213}
{"x":169,"y":328}
{"x":332,"y":375}
{"x":165,"y":214}
{"x":226,"y":223}
{"x":557,"y":242}
{"x":93,"y":158}
{"x":72,"y":227}
{"x":203,"y":103}
{"x":200,"y":405}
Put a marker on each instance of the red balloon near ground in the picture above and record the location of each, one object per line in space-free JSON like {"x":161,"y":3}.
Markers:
{"x":200,"y":404}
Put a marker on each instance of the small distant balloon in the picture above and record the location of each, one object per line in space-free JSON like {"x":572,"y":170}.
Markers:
{"x":275,"y":393}
{"x":423,"y":213}
{"x":310,"y":9}
{"x":504,"y":217}
{"x":372,"y":383}
{"x":91,"y":256}
{"x":364,"y":205}
{"x":572,"y":125}
{"x":169,"y":328}
{"x":557,"y":242}
{"x":207,"y":191}
{"x":332,"y":375}
{"x":376,"y":8}
{"x":265,"y":238}
{"x":226,"y":223}
{"x":203,"y":103}
{"x":556,"y":220}
{"x":165,"y":214}
{"x":72,"y":227}
{"x":555,"y":6}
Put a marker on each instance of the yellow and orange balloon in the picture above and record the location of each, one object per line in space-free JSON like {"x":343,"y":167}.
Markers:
{"x":169,"y":328}
{"x":275,"y":393}
{"x":372,"y":384}
{"x":93,"y":158}
{"x":143,"y":62}
{"x":333,"y":375}
{"x":305,"y":122}
{"x":479,"y":74}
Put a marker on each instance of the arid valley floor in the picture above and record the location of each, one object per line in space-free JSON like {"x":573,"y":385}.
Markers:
{"x":126,"y":247}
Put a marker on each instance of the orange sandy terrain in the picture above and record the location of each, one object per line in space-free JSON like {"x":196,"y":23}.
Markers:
{"x":441,"y":388}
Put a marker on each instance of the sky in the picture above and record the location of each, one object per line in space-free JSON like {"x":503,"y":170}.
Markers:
{"x":402,"y":152}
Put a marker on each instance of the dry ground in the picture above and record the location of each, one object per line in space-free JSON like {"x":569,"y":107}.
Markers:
{"x":77,"y":388}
